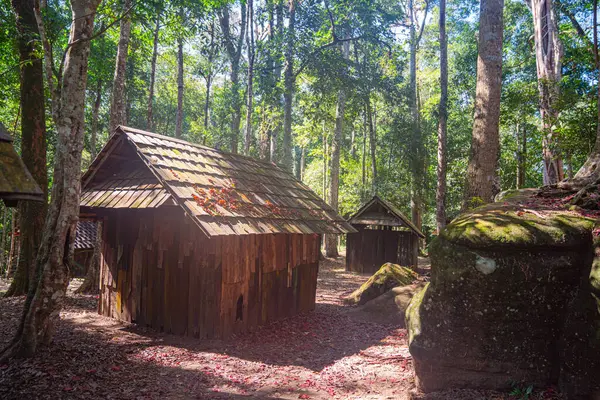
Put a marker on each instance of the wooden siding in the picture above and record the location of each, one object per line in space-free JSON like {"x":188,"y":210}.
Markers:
{"x":369,"y":249}
{"x":158,"y":269}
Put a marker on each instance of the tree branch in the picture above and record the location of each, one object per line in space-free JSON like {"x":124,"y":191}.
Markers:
{"x":580,"y":32}
{"x":422,"y":23}
{"x":335,"y":42}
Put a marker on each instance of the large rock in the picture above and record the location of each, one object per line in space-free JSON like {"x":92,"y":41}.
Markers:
{"x":510,"y":300}
{"x":388,"y":276}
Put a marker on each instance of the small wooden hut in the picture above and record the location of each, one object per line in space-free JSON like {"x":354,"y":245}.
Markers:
{"x":16,"y":182}
{"x":200,"y":242}
{"x":383,"y":235}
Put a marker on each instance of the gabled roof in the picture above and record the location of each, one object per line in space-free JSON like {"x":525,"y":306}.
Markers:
{"x":383,"y":213}
{"x":226,"y":194}
{"x":16,"y":183}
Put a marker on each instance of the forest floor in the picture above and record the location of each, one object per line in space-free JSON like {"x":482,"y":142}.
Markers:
{"x":325,"y":354}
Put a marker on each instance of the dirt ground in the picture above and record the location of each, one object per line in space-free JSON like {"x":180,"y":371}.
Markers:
{"x":326,"y":354}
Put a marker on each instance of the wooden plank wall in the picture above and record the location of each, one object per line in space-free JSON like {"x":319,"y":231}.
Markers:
{"x":368,"y":249}
{"x":158,"y":269}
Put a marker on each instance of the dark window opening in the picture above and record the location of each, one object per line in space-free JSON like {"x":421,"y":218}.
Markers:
{"x":239,"y":314}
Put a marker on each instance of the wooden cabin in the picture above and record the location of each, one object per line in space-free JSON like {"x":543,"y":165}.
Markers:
{"x":85,"y":241}
{"x":16,"y":182}
{"x":383,"y":235}
{"x":199,"y":242}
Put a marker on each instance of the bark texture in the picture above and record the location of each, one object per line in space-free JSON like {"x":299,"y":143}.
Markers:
{"x":251,"y":52}
{"x":331,"y":241}
{"x":180,"y":87}
{"x":150,"y":116}
{"x":33,"y":144}
{"x":118,"y":106}
{"x":440,"y":196}
{"x":548,"y":54}
{"x":95,"y":116}
{"x":288,"y":92}
{"x":43,"y":305}
{"x":234,"y":46}
{"x":482,"y":177}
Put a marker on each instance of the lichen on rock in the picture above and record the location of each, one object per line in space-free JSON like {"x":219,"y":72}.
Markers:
{"x":510,"y":300}
{"x":388,"y":276}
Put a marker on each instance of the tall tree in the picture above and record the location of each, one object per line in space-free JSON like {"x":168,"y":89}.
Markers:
{"x":118,"y":108}
{"x":179,"y":116}
{"x":250,"y":94}
{"x":548,"y":54}
{"x":440,"y":196}
{"x":33,"y":143}
{"x":233,"y":46}
{"x":289,"y":83}
{"x":482,"y":175}
{"x":418,"y":148}
{"x":331,"y":249}
{"x":68,"y":105}
{"x":150,"y":115}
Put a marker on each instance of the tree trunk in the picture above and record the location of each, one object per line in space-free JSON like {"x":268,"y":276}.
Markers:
{"x":373,"y":147}
{"x":418,"y":151}
{"x":521,"y":155}
{"x":3,"y":240}
{"x":548,"y":53}
{"x":33,"y":145}
{"x":43,"y":305}
{"x":234,"y":51}
{"x":590,"y":170}
{"x":149,"y":119}
{"x":482,"y":178}
{"x":179,"y":118}
{"x":250,"y":34}
{"x":440,"y":196}
{"x":364,"y":156}
{"x":208,"y":77}
{"x":95,"y":116}
{"x":288,"y":92}
{"x":118,"y":107}
{"x":331,"y":249}
{"x":10,"y":269}
{"x":325,"y":156}
{"x":91,"y":283}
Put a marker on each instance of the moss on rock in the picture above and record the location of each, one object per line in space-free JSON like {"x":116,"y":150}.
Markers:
{"x":388,"y":276}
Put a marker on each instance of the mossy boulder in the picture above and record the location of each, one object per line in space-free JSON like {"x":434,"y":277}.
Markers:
{"x":387,"y":277}
{"x":510,"y":300}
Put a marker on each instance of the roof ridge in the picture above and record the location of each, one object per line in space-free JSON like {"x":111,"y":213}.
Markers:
{"x":126,"y":129}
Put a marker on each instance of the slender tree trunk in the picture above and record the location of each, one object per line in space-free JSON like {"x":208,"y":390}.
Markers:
{"x":91,"y":283}
{"x":364,"y":155}
{"x":179,"y":118}
{"x":482,"y":176}
{"x":373,"y":146}
{"x":3,"y":241}
{"x":418,"y":151}
{"x":234,"y":51}
{"x":521,"y":155}
{"x":33,"y":145}
{"x":43,"y":304}
{"x":251,"y":51}
{"x":10,"y":269}
{"x":331,"y":249}
{"x":590,"y":171}
{"x":288,"y":92}
{"x":440,"y":195}
{"x":95,"y":117}
{"x":548,"y":52}
{"x":118,"y":106}
{"x":325,"y":162}
{"x":209,"y":76}
{"x":150,"y":117}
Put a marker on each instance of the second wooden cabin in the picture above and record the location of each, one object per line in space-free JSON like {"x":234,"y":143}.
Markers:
{"x":199,"y":242}
{"x":383,"y":234}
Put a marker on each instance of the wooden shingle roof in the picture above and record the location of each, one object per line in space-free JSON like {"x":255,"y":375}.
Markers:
{"x":383,"y":213}
{"x":16,"y":183}
{"x":85,"y":236}
{"x":226,"y":194}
